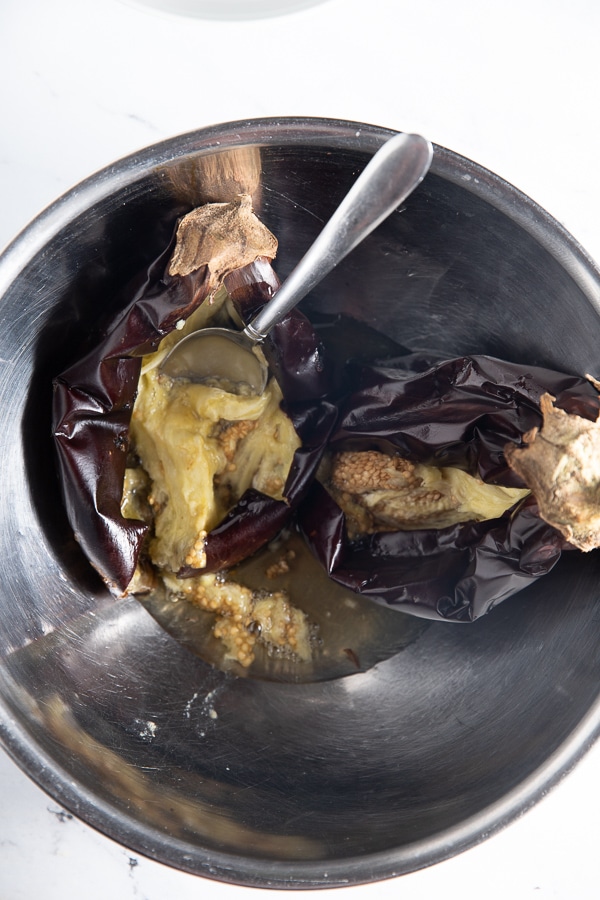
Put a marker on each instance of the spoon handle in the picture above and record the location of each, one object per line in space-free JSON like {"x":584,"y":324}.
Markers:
{"x":387,"y":180}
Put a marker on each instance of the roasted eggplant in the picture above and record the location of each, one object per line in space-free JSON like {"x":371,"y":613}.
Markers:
{"x":473,"y":415}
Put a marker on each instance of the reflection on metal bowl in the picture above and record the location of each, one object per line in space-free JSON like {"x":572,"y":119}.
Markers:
{"x":257,"y":782}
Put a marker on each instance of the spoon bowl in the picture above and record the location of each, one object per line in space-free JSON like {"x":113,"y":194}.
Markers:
{"x":219,"y":356}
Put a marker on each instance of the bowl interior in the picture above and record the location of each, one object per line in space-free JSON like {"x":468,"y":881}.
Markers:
{"x":255,"y":782}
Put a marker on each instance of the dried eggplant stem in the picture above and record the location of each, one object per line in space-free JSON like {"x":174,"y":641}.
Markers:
{"x":223,"y":237}
{"x":561,"y":465}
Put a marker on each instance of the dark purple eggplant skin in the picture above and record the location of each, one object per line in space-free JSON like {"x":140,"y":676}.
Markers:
{"x":453,"y":574}
{"x":93,"y":402}
{"x":459,"y":412}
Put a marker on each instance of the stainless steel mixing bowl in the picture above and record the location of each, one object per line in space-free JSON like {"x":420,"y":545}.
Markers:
{"x":252,"y":782}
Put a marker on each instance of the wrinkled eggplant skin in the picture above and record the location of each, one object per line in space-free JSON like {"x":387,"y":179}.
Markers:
{"x":452,"y":574}
{"x":458,"y":412}
{"x":92,"y":446}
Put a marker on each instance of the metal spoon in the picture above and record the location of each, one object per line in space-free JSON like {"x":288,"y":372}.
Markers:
{"x":224,"y":356}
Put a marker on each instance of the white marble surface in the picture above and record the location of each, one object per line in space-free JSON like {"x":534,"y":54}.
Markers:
{"x":513,"y":85}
